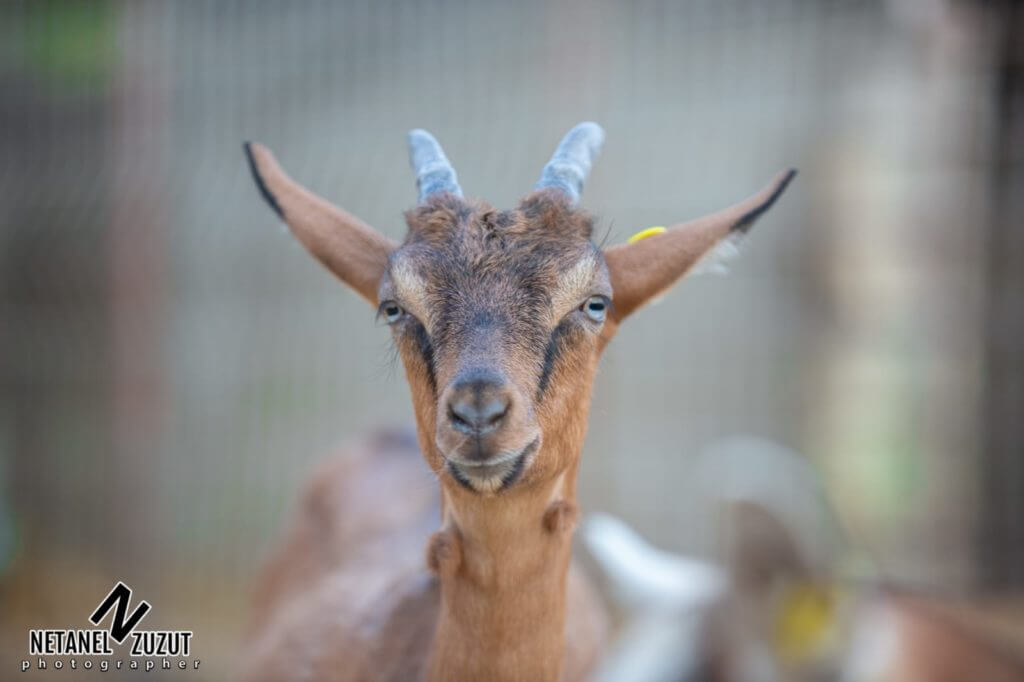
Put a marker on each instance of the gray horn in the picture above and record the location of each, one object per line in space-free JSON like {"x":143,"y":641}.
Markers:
{"x":570,"y":164}
{"x":434,"y":173}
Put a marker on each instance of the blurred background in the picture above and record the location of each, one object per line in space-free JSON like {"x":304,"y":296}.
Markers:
{"x":173,"y":363}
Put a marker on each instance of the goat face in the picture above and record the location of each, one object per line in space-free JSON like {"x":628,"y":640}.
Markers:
{"x":498,"y":316}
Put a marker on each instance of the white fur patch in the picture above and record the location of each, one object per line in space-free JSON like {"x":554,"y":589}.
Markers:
{"x":644,"y":575}
{"x":875,"y":645}
{"x":720,"y":257}
{"x":410,"y":288}
{"x":573,"y":285}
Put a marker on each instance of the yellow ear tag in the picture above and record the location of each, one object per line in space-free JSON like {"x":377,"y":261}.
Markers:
{"x":804,"y":621}
{"x":644,"y":234}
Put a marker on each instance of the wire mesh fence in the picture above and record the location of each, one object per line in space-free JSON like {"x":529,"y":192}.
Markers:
{"x":174,"y":363}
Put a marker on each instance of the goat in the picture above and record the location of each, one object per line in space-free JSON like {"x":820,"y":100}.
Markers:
{"x":499,"y":317}
{"x":779,"y":608}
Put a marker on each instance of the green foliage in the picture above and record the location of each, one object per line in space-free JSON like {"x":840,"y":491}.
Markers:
{"x":71,"y":44}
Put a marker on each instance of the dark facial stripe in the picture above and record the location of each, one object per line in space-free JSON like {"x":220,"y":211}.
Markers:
{"x":426,"y":351}
{"x":460,"y":477}
{"x":551,"y":353}
{"x":520,"y":463}
{"x":267,"y":195}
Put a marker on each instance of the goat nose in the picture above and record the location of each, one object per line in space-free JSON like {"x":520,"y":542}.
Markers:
{"x":478,"y":406}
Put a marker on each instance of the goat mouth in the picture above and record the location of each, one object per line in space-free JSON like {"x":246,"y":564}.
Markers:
{"x":492,"y":476}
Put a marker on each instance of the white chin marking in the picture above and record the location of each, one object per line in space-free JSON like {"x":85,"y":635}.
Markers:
{"x":492,"y":477}
{"x":483,"y":479}
{"x":486,"y":479}
{"x":486,"y":485}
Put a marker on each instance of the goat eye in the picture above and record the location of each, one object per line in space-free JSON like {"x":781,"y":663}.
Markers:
{"x":596,"y":308}
{"x":390,"y":311}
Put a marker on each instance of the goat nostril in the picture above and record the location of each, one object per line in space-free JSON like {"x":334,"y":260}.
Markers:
{"x":494,"y":411}
{"x":462,"y":421}
{"x":475,"y":416}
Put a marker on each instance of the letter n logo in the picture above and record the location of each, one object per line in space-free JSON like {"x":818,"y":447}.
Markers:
{"x":119,"y":626}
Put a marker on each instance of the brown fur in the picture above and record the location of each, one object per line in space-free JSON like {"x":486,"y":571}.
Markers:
{"x":504,"y":600}
{"x":879,"y":633}
{"x":937,"y":643}
{"x":647,"y":268}
{"x":560,"y":517}
{"x":348,"y":596}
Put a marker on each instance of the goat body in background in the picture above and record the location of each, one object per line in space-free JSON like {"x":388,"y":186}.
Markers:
{"x":778,"y":607}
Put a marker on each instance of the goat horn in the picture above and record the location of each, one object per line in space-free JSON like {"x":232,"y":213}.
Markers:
{"x":570,"y":164}
{"x":434,"y":173}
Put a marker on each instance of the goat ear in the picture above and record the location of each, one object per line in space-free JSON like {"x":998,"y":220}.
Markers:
{"x":761,"y":549}
{"x":355,"y":252}
{"x":644,"y":269}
